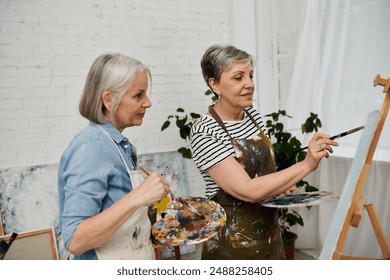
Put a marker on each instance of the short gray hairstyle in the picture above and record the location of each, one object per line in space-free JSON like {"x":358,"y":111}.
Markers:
{"x":219,"y":58}
{"x":109,"y":72}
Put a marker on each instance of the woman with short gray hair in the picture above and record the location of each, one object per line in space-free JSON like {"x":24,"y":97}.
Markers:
{"x":236,"y":159}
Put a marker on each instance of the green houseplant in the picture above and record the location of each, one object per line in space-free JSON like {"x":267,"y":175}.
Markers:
{"x":284,"y":144}
{"x":184,"y":123}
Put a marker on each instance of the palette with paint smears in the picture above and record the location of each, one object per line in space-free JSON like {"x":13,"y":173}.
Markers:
{"x":299,"y":199}
{"x":182,"y":227}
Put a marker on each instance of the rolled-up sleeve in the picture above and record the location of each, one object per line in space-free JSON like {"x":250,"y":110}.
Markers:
{"x":83,"y":182}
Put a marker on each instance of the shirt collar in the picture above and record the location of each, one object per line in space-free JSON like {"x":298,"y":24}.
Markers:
{"x":114,"y":133}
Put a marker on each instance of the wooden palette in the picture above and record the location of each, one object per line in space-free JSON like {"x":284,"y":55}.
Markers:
{"x":182,"y":227}
{"x":299,"y":199}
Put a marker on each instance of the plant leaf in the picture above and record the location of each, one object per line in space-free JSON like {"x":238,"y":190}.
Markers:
{"x":165,"y":125}
{"x":195,"y":115}
{"x":180,"y":123}
{"x":185,"y":152}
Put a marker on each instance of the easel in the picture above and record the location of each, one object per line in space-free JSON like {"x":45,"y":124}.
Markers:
{"x":357,"y":205}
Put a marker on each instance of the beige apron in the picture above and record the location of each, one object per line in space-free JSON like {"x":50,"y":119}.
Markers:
{"x":132,"y":240}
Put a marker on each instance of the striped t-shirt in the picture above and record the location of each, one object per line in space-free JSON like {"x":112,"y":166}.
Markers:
{"x":210,"y":144}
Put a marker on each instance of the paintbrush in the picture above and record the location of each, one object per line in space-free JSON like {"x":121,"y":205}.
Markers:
{"x":177,"y":201}
{"x":345,"y":133}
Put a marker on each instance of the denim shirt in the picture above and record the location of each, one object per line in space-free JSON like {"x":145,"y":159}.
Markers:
{"x":91,"y":177}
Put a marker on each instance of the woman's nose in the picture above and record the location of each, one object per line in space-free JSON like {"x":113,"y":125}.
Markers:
{"x":147,"y":103}
{"x":249,"y":83}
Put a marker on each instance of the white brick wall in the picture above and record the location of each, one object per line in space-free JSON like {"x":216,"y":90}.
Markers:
{"x":47,"y":47}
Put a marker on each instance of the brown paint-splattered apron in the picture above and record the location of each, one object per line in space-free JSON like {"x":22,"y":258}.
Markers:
{"x":251,"y":230}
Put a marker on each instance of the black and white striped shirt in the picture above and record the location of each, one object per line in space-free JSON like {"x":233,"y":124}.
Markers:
{"x":210,"y":144}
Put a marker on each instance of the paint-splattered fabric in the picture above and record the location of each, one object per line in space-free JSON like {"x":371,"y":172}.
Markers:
{"x":251,"y":231}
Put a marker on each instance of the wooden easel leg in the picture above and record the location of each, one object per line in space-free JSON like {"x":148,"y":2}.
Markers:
{"x":358,"y":213}
{"x":380,"y":235}
{"x":336,"y":255}
{"x":354,"y":213}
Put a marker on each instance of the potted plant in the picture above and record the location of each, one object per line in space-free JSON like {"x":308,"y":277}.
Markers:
{"x":184,"y":123}
{"x":285,"y":146}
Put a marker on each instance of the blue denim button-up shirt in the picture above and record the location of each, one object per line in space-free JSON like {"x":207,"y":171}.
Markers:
{"x":91,"y":177}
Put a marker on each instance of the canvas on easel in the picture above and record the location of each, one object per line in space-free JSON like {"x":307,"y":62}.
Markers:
{"x":351,"y":203}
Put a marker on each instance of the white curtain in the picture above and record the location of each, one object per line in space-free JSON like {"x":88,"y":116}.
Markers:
{"x":344,"y":44}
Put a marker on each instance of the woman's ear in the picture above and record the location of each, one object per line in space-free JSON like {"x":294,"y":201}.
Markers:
{"x":107,"y":100}
{"x":213,"y":85}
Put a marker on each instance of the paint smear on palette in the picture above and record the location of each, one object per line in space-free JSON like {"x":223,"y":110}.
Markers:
{"x":181,"y":227}
{"x":299,"y":199}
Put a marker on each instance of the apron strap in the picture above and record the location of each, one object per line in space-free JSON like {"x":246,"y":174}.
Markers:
{"x":253,"y":120}
{"x":263,"y":135}
{"x":220,"y":122}
{"x":134,"y":160}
